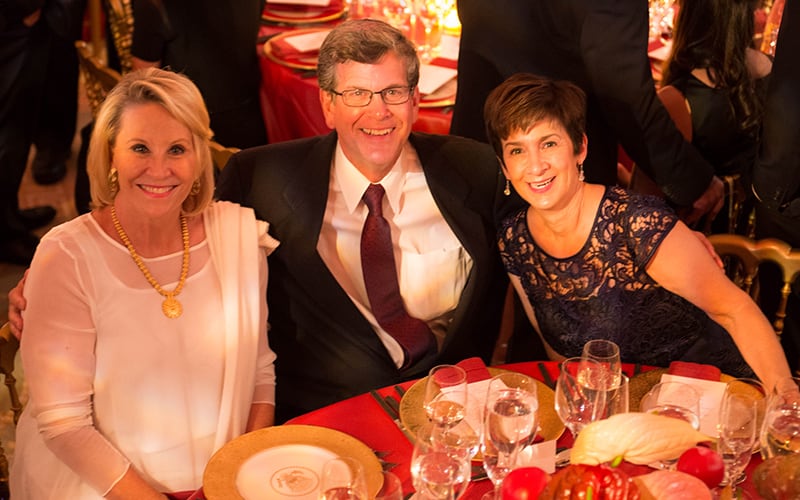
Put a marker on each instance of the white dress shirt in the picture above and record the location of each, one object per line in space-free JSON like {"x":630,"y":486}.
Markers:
{"x":433,"y":266}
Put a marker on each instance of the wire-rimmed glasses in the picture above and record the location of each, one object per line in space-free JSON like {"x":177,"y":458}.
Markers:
{"x":359,"y":98}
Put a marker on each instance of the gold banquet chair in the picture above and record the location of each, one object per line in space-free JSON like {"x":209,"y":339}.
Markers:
{"x":8,"y":351}
{"x":221,"y":154}
{"x":98,"y":78}
{"x":743,"y":257}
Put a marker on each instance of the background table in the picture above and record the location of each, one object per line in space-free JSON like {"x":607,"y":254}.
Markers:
{"x":362,"y":418}
{"x":290,"y":98}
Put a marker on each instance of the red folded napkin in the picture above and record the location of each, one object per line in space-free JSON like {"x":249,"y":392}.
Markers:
{"x":285,"y":50}
{"x":475,"y":368}
{"x":694,"y":370}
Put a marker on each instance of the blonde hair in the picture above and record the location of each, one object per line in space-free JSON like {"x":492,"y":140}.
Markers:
{"x":181,"y":99}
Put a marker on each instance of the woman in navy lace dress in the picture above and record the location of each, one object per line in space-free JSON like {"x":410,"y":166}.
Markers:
{"x":591,"y":261}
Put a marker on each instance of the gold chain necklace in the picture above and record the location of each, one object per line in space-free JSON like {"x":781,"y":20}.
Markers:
{"x":171,"y":307}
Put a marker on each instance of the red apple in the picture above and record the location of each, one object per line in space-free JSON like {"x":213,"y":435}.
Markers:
{"x":704,"y":464}
{"x":524,"y":483}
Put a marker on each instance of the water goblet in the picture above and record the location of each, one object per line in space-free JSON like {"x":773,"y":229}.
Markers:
{"x":429,"y":15}
{"x":510,"y":423}
{"x":738,"y":418}
{"x":343,"y":479}
{"x":446,"y":395}
{"x":755,"y":391}
{"x":780,"y":432}
{"x":675,"y":400}
{"x":440,"y":469}
{"x":580,"y":393}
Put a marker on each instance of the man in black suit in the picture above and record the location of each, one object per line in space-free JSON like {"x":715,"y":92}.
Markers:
{"x":601,"y":46}
{"x":776,"y":175}
{"x":441,"y":201}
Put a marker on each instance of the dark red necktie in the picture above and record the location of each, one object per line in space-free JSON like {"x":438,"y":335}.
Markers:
{"x":380,"y":278}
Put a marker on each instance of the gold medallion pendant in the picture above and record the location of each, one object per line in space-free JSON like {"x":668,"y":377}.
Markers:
{"x":171,"y":307}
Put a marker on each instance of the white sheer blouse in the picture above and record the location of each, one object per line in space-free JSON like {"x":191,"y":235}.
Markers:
{"x":114,"y":383}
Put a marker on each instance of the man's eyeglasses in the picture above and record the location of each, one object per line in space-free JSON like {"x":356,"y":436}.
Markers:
{"x":358,"y":98}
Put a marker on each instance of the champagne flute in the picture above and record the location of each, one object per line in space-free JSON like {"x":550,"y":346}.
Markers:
{"x":755,"y":391}
{"x":343,"y":479}
{"x":780,"y":433}
{"x":510,"y":423}
{"x":675,"y":400}
{"x":580,"y":393}
{"x":440,"y":469}
{"x":446,"y":395}
{"x":737,"y":426}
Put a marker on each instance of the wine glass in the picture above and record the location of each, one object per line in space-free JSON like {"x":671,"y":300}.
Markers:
{"x":738,"y":418}
{"x":606,"y":353}
{"x":398,"y":13}
{"x":617,"y":399}
{"x":675,"y":400}
{"x":580,"y":393}
{"x":510,"y":423}
{"x":391,"y":488}
{"x":343,"y":479}
{"x":446,"y":395}
{"x":780,"y":433}
{"x":429,"y":14}
{"x":440,"y":469}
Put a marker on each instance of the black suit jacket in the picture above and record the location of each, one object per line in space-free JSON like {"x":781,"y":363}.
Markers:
{"x":601,"y":46}
{"x":326,"y":349}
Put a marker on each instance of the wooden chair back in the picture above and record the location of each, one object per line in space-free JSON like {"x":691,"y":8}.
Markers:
{"x":98,"y":78}
{"x":743,"y":257}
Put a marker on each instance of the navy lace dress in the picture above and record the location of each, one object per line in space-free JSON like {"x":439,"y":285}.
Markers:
{"x":604,"y":291}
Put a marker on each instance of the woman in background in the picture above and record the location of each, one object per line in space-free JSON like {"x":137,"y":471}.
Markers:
{"x":723,"y":79}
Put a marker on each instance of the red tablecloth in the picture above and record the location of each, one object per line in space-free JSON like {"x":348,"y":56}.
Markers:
{"x":290,"y":102}
{"x":364,"y":419}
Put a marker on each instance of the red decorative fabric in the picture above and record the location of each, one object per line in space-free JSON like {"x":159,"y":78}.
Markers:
{"x":694,"y":370}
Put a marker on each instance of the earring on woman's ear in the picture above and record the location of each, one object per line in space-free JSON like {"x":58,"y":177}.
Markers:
{"x":195,"y":187}
{"x":507,"y":190}
{"x":581,"y":177}
{"x":113,"y":181}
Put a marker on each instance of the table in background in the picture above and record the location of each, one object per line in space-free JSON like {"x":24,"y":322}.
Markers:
{"x":290,"y":99}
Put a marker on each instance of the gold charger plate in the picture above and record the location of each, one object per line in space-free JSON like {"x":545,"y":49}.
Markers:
{"x":305,"y":62}
{"x":412,"y":414}
{"x":297,"y":14}
{"x":639,"y":384}
{"x":282,"y":462}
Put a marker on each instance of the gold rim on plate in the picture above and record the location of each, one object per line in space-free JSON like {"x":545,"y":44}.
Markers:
{"x":412,"y":414}
{"x":221,"y":474}
{"x":310,"y":15}
{"x":307,"y":63}
{"x":639,"y":384}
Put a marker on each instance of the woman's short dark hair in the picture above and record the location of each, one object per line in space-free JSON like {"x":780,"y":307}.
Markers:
{"x":526,"y":99}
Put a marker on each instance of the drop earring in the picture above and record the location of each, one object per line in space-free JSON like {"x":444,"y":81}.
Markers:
{"x":507,"y":190}
{"x":581,"y":177}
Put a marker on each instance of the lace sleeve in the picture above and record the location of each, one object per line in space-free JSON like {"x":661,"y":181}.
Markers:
{"x":649,"y":221}
{"x":510,"y":241}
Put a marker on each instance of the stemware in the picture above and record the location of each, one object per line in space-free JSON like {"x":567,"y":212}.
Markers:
{"x":510,"y":422}
{"x":580,"y":393}
{"x":446,"y":395}
{"x":429,"y":14}
{"x":675,"y":400}
{"x":440,"y":468}
{"x":391,"y":488}
{"x":780,"y":432}
{"x":606,"y":353}
{"x":754,"y":391}
{"x":738,"y":418}
{"x":343,"y":479}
